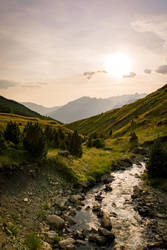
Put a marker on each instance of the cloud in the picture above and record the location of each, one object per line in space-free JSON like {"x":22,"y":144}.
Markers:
{"x":90,"y":74}
{"x":162,"y":69}
{"x":147,"y":71}
{"x":131,"y":75}
{"x":5,"y":84}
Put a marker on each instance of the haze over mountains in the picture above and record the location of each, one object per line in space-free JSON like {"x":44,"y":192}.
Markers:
{"x":84,"y":107}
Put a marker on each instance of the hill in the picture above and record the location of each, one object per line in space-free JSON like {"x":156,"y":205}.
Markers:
{"x":87,"y":106}
{"x":11,"y":106}
{"x":149,"y":117}
{"x":39,"y":108}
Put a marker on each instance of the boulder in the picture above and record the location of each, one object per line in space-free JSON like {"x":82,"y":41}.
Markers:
{"x":67,"y":243}
{"x":98,"y":239}
{"x":107,"y":178}
{"x":46,"y":246}
{"x":106,"y":222}
{"x":55,"y":221}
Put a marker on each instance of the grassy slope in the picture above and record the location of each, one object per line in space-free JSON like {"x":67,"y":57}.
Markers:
{"x":16,"y":156}
{"x":149,"y":114}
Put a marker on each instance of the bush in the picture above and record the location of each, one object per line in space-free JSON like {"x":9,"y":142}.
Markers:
{"x":133,"y":140}
{"x":34,"y":140}
{"x":97,"y":143}
{"x":33,"y":242}
{"x":157,"y":162}
{"x":12,"y":132}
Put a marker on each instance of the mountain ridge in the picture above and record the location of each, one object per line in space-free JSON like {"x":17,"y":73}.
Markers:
{"x":85,"y":106}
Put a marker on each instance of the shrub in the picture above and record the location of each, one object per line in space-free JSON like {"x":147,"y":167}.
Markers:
{"x":133,"y":140}
{"x":157,"y":162}
{"x":33,"y":242}
{"x":34,"y":140}
{"x":98,"y":143}
{"x":12,"y":132}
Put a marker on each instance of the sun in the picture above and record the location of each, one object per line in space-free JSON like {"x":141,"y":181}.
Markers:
{"x":118,"y":65}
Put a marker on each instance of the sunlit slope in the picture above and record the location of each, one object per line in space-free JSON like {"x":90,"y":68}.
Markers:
{"x":22,"y":120}
{"x":149,"y":115}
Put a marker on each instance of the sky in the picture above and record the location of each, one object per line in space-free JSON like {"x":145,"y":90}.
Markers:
{"x":55,"y":51}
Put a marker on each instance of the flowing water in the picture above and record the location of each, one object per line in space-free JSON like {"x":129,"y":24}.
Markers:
{"x":127,"y":225}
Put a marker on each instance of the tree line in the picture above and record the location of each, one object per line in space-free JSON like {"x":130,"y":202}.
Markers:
{"x":36,"y":140}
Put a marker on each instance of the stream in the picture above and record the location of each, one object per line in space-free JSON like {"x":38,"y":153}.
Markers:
{"x":127,"y":225}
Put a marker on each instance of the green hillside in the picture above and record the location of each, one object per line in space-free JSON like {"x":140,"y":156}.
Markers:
{"x":149,"y":117}
{"x":10,"y":106}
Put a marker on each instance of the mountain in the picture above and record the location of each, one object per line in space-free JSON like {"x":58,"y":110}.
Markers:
{"x":39,"y":108}
{"x":149,"y":116}
{"x":86,"y":106}
{"x":10,"y":106}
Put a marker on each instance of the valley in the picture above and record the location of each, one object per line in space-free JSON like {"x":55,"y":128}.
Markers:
{"x":85,"y":190}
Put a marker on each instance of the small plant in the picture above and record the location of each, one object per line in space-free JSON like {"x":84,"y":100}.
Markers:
{"x":56,"y":239}
{"x":33,"y":242}
{"x":13,"y":229}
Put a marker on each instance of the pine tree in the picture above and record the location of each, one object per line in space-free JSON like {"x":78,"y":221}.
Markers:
{"x":34,"y":140}
{"x":12,"y":132}
{"x":75,"y":145}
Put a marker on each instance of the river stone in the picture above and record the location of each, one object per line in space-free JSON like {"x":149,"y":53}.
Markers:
{"x":69,"y":219}
{"x":46,"y":246}
{"x":108,"y":234}
{"x":98,"y":239}
{"x":106,"y":222}
{"x":107,"y":178}
{"x":55,"y":221}
{"x":51,"y":234}
{"x":75,"y":198}
{"x":65,"y":244}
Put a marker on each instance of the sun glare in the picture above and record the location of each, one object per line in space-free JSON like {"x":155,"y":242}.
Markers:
{"x":118,"y":65}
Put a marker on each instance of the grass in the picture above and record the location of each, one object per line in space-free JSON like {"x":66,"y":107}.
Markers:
{"x":160,"y":183}
{"x":33,"y":242}
{"x":92,"y":165}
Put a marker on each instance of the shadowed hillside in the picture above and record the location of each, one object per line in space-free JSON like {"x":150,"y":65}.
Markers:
{"x":10,"y":106}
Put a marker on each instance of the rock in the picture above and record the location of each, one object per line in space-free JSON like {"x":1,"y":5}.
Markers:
{"x":107,"y":178}
{"x":26,"y":199}
{"x":106,"y":222}
{"x":98,"y":239}
{"x":51,"y":234}
{"x":69,"y":219}
{"x":67,"y":243}
{"x":108,"y":234}
{"x":46,"y":246}
{"x":98,"y":198}
{"x":63,"y":153}
{"x":79,"y":235}
{"x":140,"y":151}
{"x":60,"y":202}
{"x":76,"y":198}
{"x":107,"y":188}
{"x":55,"y":221}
